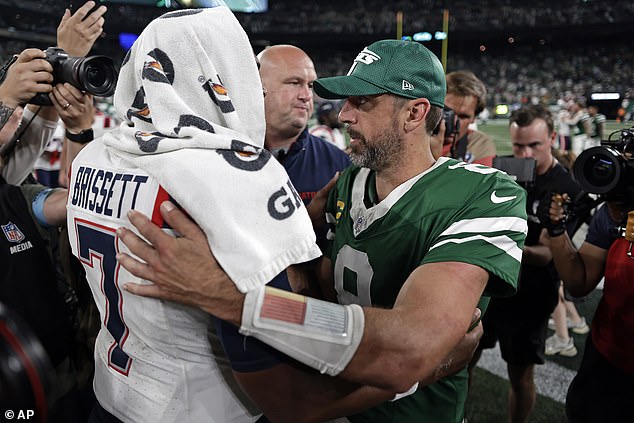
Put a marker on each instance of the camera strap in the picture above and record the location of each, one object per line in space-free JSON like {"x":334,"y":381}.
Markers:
{"x":5,"y":68}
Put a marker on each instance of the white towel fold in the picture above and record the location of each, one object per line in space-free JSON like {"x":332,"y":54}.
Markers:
{"x":191,"y":99}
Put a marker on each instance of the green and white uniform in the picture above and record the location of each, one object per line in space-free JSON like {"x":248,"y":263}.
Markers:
{"x":580,"y":128}
{"x":452,"y":212}
{"x":596,"y":122}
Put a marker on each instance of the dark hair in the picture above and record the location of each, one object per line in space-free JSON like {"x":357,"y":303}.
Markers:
{"x":527,"y":114}
{"x":432,"y":119}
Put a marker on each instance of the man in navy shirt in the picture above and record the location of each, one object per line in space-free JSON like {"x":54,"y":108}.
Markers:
{"x":287,"y":77}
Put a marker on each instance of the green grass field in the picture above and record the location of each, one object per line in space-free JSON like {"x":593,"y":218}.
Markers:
{"x":498,"y":129}
{"x":487,"y":401}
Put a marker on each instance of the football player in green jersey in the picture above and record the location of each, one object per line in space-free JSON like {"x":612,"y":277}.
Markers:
{"x":415,"y":244}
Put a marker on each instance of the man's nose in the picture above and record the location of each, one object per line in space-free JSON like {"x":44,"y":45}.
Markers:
{"x":345,"y":115}
{"x":305,"y":92}
{"x":525,"y":153}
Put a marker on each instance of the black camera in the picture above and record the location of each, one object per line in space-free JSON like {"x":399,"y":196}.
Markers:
{"x":94,"y":74}
{"x":452,"y":125}
{"x":608,"y":170}
{"x":521,"y":170}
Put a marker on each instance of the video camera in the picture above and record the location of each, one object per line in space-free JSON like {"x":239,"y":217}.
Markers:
{"x":94,"y":74}
{"x":608,"y":170}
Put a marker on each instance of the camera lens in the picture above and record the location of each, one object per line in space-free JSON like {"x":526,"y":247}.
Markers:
{"x":599,"y":169}
{"x":95,"y":76}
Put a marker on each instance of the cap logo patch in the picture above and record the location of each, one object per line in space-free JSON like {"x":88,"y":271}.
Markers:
{"x":407,"y":86}
{"x":367,"y":57}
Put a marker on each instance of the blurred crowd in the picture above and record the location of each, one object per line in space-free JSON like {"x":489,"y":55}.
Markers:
{"x":378,"y":17}
{"x":367,"y":17}
{"x":510,"y":71}
{"x":513,"y":76}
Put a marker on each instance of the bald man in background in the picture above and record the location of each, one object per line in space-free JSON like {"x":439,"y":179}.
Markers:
{"x":287,"y":75}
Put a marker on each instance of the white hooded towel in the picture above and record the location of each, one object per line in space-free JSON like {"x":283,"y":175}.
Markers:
{"x":191,"y":99}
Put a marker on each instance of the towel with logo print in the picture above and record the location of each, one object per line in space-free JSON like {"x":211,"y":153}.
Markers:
{"x":193,"y":118}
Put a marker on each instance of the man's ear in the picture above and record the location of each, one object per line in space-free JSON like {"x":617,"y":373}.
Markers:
{"x":417,"y":113}
{"x":552,"y":137}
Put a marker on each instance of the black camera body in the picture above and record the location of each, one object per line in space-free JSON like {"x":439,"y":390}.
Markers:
{"x":521,"y":170}
{"x":452,"y":125}
{"x":608,"y":170}
{"x":94,"y":74}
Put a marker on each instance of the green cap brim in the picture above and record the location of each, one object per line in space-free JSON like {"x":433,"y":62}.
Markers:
{"x":338,"y":87}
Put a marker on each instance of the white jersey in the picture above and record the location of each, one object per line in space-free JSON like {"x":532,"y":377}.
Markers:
{"x":153,"y":360}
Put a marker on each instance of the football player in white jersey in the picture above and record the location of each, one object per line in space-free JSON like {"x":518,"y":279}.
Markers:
{"x":415,"y":244}
{"x":191,"y":100}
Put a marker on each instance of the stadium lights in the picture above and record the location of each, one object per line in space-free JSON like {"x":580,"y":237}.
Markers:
{"x":425,"y":36}
{"x":605,"y":96}
{"x":422,"y":36}
{"x":501,"y":109}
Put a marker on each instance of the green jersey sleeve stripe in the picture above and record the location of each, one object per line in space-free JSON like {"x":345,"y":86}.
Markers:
{"x":487,"y":225}
{"x":502,"y":242}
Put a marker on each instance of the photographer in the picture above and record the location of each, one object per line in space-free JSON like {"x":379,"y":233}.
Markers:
{"x":603,"y":388}
{"x":466,"y":97}
{"x":29,"y":74}
{"x":520,"y":322}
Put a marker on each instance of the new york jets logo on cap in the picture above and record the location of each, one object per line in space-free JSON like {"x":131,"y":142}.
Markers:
{"x":367,"y":57}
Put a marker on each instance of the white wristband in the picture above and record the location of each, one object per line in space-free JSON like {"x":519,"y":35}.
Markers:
{"x":320,"y":334}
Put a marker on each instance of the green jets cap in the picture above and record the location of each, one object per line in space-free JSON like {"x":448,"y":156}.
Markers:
{"x":404,"y":68}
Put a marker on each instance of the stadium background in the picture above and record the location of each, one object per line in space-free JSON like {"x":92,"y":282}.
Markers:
{"x":525,"y":51}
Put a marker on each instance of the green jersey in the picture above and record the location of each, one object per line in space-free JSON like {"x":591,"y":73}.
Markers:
{"x":452,"y":212}
{"x":581,"y":124}
{"x":597,"y":124}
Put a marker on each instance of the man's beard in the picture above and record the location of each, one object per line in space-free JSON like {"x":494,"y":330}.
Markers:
{"x":383,"y":152}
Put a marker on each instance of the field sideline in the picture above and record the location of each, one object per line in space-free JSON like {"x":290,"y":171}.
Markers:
{"x":498,"y":130}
